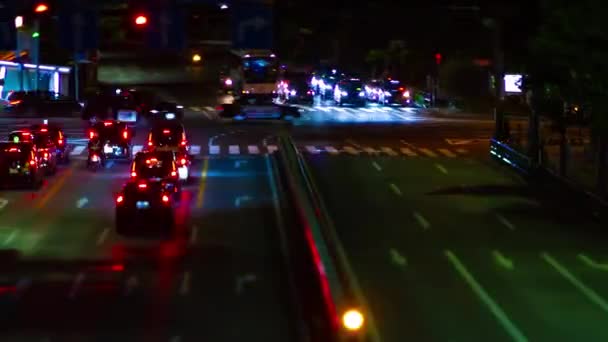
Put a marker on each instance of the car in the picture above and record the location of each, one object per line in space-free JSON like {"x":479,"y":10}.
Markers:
{"x":395,"y":93}
{"x":56,"y":134}
{"x":115,"y":137}
{"x":46,"y":150}
{"x":166,"y":111}
{"x":168,"y":136}
{"x":41,"y":103}
{"x":350,"y":91}
{"x":19,"y":165}
{"x":324,"y":81}
{"x":115,"y":104}
{"x":144,"y":206}
{"x":295,"y":88}
{"x":257,"y":106}
{"x":373,"y":90}
{"x":156,"y":166}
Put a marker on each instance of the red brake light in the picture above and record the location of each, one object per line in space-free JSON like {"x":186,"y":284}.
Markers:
{"x":32,"y":162}
{"x":60,"y":142}
{"x":16,"y":102}
{"x":94,"y":158}
{"x":143,"y":186}
{"x":119,"y":199}
{"x":25,"y":133}
{"x":165,"y":198}
{"x":183,"y":161}
{"x":173,"y":174}
{"x":108,"y":123}
{"x":125,"y":135}
{"x":166,"y":131}
{"x":150,"y":143}
{"x":91,"y":134}
{"x":44,"y":130}
{"x":117,"y":268}
{"x":46,"y":155}
{"x":13,"y":149}
{"x":219,"y":108}
{"x":134,"y":174}
{"x":184,"y":142}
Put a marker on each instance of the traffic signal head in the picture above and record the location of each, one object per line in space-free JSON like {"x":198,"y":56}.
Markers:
{"x":438,"y":58}
{"x":41,"y":8}
{"x":141,"y":20}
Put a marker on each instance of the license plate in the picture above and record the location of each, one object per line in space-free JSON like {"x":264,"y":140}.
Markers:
{"x":142,"y":204}
{"x":13,"y":171}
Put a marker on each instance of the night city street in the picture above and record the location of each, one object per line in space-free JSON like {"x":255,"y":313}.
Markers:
{"x":415,"y":202}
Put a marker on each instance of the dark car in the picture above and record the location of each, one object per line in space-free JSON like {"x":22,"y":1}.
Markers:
{"x":115,"y":137}
{"x":296,"y":88}
{"x":56,"y":134}
{"x":257,"y":106}
{"x":19,"y":165}
{"x":350,"y":91}
{"x":156,"y":166}
{"x":113,"y":105}
{"x":41,"y":104}
{"x":168,"y":136}
{"x":145,"y":206}
{"x":395,"y":93}
{"x":166,"y":111}
{"x":46,"y":150}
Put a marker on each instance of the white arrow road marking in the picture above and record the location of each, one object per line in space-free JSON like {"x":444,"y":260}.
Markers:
{"x":3,"y":203}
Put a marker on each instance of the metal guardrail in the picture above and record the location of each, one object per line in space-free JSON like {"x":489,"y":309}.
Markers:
{"x":342,"y":297}
{"x":512,"y":157}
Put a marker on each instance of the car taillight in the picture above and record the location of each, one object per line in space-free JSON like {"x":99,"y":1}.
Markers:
{"x":173,"y":174}
{"x":133,"y":174}
{"x":91,"y":134}
{"x":150,"y":143}
{"x":119,"y":199}
{"x":165,"y":199}
{"x":14,"y":103}
{"x":183,"y":161}
{"x":184,"y":142}
{"x":219,"y":108}
{"x":125,"y":135}
{"x":60,"y":142}
{"x":143,"y":186}
{"x":46,"y":155}
{"x":33,"y":162}
{"x":94,"y":158}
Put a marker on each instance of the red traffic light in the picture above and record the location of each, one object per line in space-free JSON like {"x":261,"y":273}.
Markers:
{"x":41,"y":7}
{"x":141,"y":20}
{"x":438,"y":58}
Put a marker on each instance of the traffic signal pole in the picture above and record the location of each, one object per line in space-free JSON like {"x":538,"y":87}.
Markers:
{"x":37,"y":54}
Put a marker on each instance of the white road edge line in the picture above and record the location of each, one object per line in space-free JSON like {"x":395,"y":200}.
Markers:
{"x":584,"y":289}
{"x":395,"y":189}
{"x":103,"y":236}
{"x":505,"y":222}
{"x":184,"y":288}
{"x":3,"y":203}
{"x":502,"y":317}
{"x":421,"y":220}
{"x":592,"y":263}
{"x":441,"y":168}
{"x":376,"y":166}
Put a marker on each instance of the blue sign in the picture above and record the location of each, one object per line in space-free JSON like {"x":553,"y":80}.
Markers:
{"x":8,"y":32}
{"x":166,"y":29}
{"x":252,"y":26}
{"x":78,"y":29}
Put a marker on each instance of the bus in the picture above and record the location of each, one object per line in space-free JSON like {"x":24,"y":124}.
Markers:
{"x":260,"y":71}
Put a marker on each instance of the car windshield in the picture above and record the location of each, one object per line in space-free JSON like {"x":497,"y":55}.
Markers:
{"x":256,"y":100}
{"x":13,"y":153}
{"x":153,"y":167}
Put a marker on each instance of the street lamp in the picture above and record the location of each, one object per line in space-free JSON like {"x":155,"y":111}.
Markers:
{"x":41,"y":8}
{"x":223,"y":6}
{"x":18,"y":21}
{"x":141,"y":20}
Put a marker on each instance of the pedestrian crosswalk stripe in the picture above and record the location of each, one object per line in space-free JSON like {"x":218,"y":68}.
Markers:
{"x":234,"y":149}
{"x":447,"y":153}
{"x":195,"y":149}
{"x":408,"y":152}
{"x":323,"y":109}
{"x":342,"y":110}
{"x":312,"y":149}
{"x":388,"y":151}
{"x":272,"y":148}
{"x":462,"y":151}
{"x":331,"y":150}
{"x":196,"y":109}
{"x":351,"y":150}
{"x":367,"y":110}
{"x":214,"y":149}
{"x":137,"y":148}
{"x":210,"y":109}
{"x":428,"y":152}
{"x":253,"y":149}
{"x":77,"y":150}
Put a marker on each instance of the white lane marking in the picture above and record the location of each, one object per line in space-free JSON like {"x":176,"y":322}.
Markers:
{"x":397,"y":258}
{"x":331,"y":150}
{"x":82,"y":202}
{"x":3,"y":203}
{"x":210,"y":109}
{"x":441,"y":168}
{"x":428,"y":152}
{"x":395,"y":189}
{"x":462,"y":151}
{"x":137,"y":149}
{"x":351,"y":150}
{"x":241,"y":281}
{"x":239,"y":200}
{"x":184,"y":288}
{"x":352,"y":142}
{"x":193,"y":235}
{"x":502,"y":260}
{"x":341,"y":110}
{"x":592,"y":263}
{"x":408,"y":152}
{"x":389,"y":151}
{"x":410,"y":145}
{"x":214,"y":149}
{"x":447,"y":153}
{"x":253,"y":149}
{"x":505,"y":222}
{"x":366,"y":110}
{"x":76,"y":285}
{"x":103,"y":236}
{"x":10,"y":237}
{"x":195,"y":149}
{"x":312,"y":149}
{"x":495,"y":309}
{"x":77,"y":150}
{"x":234,"y":149}
{"x":585,"y":290}
{"x":272,"y":148}
{"x":421,"y":220}
{"x":376,"y":166}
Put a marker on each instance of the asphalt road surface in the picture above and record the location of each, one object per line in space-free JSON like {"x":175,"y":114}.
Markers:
{"x":445,"y":244}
